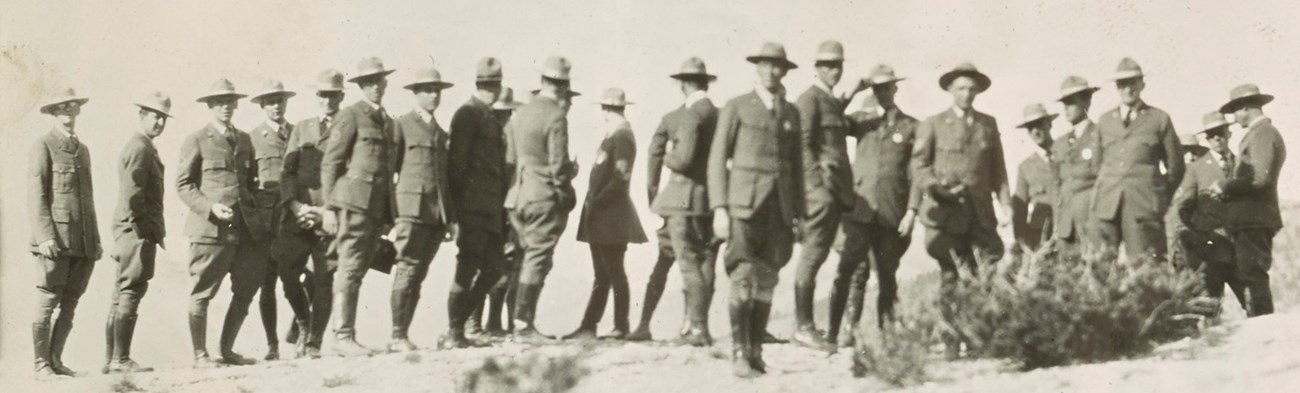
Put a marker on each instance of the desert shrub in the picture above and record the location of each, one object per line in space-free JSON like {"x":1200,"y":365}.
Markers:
{"x":529,"y":373}
{"x":124,"y":384}
{"x":900,"y":353}
{"x":1044,"y":311}
{"x":338,"y":381}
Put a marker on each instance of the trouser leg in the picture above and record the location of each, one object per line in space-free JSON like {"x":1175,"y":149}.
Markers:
{"x":818,"y":231}
{"x":1253,"y":251}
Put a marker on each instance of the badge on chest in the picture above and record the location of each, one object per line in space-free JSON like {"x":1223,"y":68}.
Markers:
{"x":897,"y":138}
{"x":1086,"y":153}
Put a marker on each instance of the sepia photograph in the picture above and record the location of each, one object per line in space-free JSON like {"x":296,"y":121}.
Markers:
{"x":649,"y":196}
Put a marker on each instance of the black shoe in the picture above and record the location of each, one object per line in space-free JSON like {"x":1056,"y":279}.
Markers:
{"x":583,"y":333}
{"x":642,"y":333}
{"x":809,"y":338}
{"x":401,"y":345}
{"x":234,"y":359}
{"x":125,"y":367}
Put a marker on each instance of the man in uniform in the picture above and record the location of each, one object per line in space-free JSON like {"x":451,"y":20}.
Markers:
{"x":357,"y":183}
{"x":270,"y":141}
{"x":1076,"y":159}
{"x":1036,"y":186}
{"x":65,"y":233}
{"x":1174,"y":227}
{"x":478,"y":188}
{"x":1251,"y":192}
{"x":959,"y":167}
{"x":684,"y":204}
{"x":138,"y":229}
{"x":756,"y":200}
{"x":541,"y":192}
{"x":502,"y":293}
{"x":828,"y":182}
{"x":217,"y":179}
{"x":1132,"y":195}
{"x":877,"y":228}
{"x":1203,"y":216}
{"x":300,"y":187}
{"x":425,"y":214}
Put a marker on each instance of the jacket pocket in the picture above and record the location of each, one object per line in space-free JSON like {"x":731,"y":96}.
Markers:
{"x":269,"y":167}
{"x":61,"y":215}
{"x":741,"y":189}
{"x":64,"y":179}
{"x":409,"y":204}
{"x":352,"y":191}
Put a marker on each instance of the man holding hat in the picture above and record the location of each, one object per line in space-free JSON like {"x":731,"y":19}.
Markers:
{"x":65,"y":235}
{"x":877,"y":228}
{"x":756,"y":200}
{"x":828,"y":182}
{"x":1076,"y":157}
{"x":959,"y":168}
{"x":1132,"y":195}
{"x":138,"y":229}
{"x":1036,"y":185}
{"x":684,"y":204}
{"x":478,"y":182}
{"x":541,"y":194}
{"x":1251,"y":192}
{"x":300,"y":189}
{"x":357,"y":184}
{"x":217,"y":180}
{"x":270,"y":140}
{"x":1204,"y":216}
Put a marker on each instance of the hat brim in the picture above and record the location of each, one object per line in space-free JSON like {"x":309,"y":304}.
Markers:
{"x":497,"y":78}
{"x":1212,"y":127}
{"x":377,"y":74}
{"x":321,"y":89}
{"x":80,"y":100}
{"x":210,"y":97}
{"x":982,"y":82}
{"x":1260,"y":99}
{"x":1123,"y":75}
{"x":821,"y":59}
{"x":694,"y":76}
{"x":507,"y":107}
{"x":1048,"y":117}
{"x":869,"y":83}
{"x":437,"y":85}
{"x":152,"y":108}
{"x":259,"y":97}
{"x":1077,"y":90}
{"x":629,"y":103}
{"x":789,"y":65}
{"x":539,"y":91}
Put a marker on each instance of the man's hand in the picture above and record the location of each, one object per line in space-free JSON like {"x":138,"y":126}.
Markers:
{"x":453,"y":230}
{"x":48,"y":249}
{"x":721,"y":224}
{"x":1004,"y":221}
{"x":1216,"y":191}
{"x":329,"y":221}
{"x":905,"y":226}
{"x":222,"y":212}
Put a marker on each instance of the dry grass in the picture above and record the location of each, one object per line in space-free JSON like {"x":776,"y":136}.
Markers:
{"x":337,"y":381}
{"x":124,"y":384}
{"x":527,"y":373}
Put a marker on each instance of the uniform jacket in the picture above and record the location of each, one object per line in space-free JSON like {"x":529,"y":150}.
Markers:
{"x":1252,"y":188}
{"x":949,"y":151}
{"x":608,"y":216}
{"x":269,"y":147}
{"x":825,"y":152}
{"x":537,"y":147}
{"x":1032,"y":202}
{"x":357,"y":169}
{"x":212,"y":170}
{"x":1130,"y":174}
{"x":690,"y":130}
{"x":1195,"y":207}
{"x":422,"y":186}
{"x":763,"y":148}
{"x":300,"y":179}
{"x":1076,"y":161}
{"x":140,"y":190}
{"x":882,"y":175}
{"x":61,"y":197}
{"x":477,"y":171}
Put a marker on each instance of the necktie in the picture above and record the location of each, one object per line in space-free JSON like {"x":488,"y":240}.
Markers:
{"x":1128,"y":117}
{"x":1228,"y":163}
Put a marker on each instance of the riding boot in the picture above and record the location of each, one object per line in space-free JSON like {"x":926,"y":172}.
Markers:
{"x":740,"y":311}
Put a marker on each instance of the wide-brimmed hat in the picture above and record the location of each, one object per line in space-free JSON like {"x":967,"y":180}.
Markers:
{"x":830,"y":52}
{"x":61,"y":96}
{"x":694,"y":69}
{"x":507,"y":100}
{"x":1034,"y":113}
{"x":1212,"y":121}
{"x":881,"y":74}
{"x":982,"y":82}
{"x":772,"y":51}
{"x":1247,"y":93}
{"x":614,"y":97}
{"x":537,"y":91}
{"x":222,"y":87}
{"x":1127,"y":69}
{"x":271,"y":88}
{"x":1189,"y":140}
{"x":155,"y":101}
{"x":427,"y":76}
{"x":1075,"y":85}
{"x":488,"y":70}
{"x":556,"y":68}
{"x":328,"y":81}
{"x":370,"y":67}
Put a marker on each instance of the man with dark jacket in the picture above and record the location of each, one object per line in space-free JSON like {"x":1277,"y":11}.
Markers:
{"x":1036,"y":185}
{"x":1203,"y":216}
{"x":1076,"y":158}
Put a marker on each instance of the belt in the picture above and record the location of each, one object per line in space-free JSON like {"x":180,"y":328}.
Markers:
{"x":269,"y":186}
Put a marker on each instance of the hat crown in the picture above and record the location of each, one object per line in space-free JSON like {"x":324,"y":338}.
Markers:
{"x":272,"y":86}
{"x":64,"y":93}
{"x":329,"y":80}
{"x":830,"y":50}
{"x":156,"y":100}
{"x":1035,"y":110}
{"x":370,"y":65}
{"x":222,"y":86}
{"x":772,"y":50}
{"x":506,"y":100}
{"x":557,"y":67}
{"x":966,"y":67}
{"x":1128,"y":64}
{"x":1246,"y":90}
{"x":614,"y":97}
{"x":1073,"y":83}
{"x":489,"y":68}
{"x":881,"y":72}
{"x":1213,"y":119}
{"x":694,"y":65}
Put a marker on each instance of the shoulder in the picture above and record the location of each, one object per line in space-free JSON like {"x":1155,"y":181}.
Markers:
{"x":49,"y":138}
{"x":306,"y":123}
{"x":747,"y":99}
{"x":809,"y":97}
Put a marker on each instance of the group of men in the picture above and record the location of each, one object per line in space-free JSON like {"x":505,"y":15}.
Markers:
{"x":356,"y":189}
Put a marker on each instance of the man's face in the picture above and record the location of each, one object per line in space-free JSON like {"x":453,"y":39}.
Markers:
{"x":274,"y":107}
{"x":1130,"y":90}
{"x":152,"y":123}
{"x":374,"y":89}
{"x":1218,"y":139}
{"x":829,"y":72}
{"x":1077,"y":106}
{"x":1241,"y":116}
{"x":885,"y":94}
{"x":565,"y":100}
{"x":1041,"y":133}
{"x":329,"y":101}
{"x":770,"y":74}
{"x":427,"y":96}
{"x":67,"y":113}
{"x":963,"y":92}
{"x":493,"y":89}
{"x":223,"y":108}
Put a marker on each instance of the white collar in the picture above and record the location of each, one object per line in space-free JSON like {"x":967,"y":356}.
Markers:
{"x":961,"y":113}
{"x":1219,"y":158}
{"x":373,"y":105}
{"x":424,"y":115}
{"x":222,"y":128}
{"x":1080,"y":127}
{"x":64,"y":131}
{"x":612,"y":126}
{"x":274,"y":127}
{"x":695,"y":97}
{"x":768,"y":98}
{"x":1042,"y":153}
{"x":822,"y":85}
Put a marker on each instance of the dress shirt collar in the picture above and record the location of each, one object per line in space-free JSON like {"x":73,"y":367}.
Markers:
{"x":825,"y":87}
{"x":424,"y":115}
{"x":768,"y":97}
{"x":1080,"y":127}
{"x":695,"y":97}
